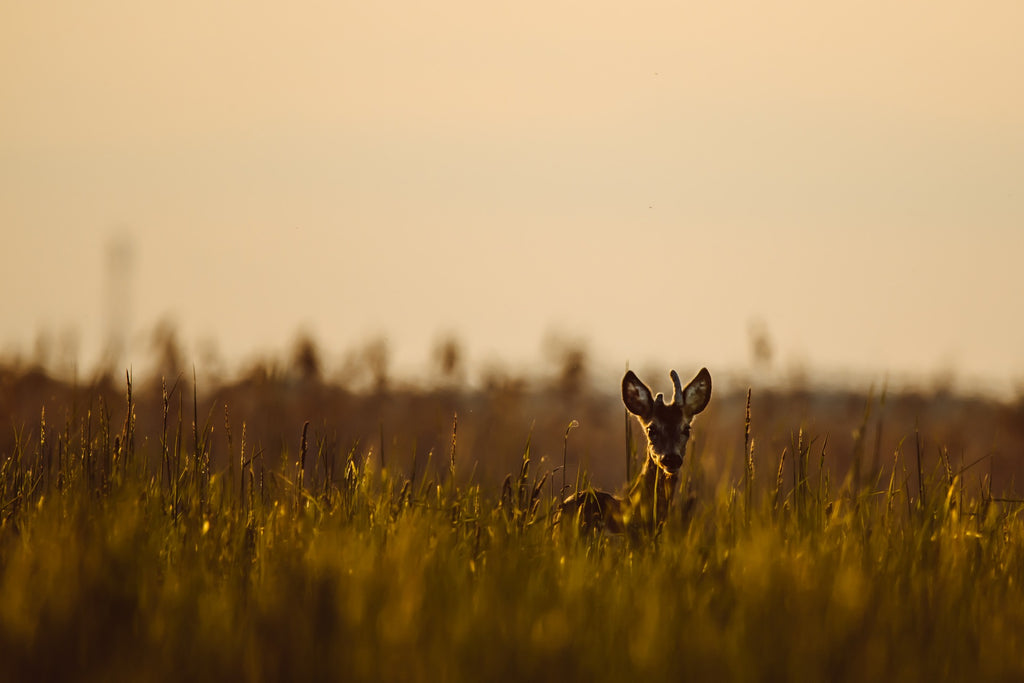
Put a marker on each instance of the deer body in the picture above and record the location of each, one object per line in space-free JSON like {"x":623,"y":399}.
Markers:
{"x":667,"y":427}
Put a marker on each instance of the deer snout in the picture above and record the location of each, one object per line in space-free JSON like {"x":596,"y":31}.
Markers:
{"x":671,"y":462}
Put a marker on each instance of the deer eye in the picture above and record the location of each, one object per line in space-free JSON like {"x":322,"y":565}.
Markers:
{"x":686,"y":430}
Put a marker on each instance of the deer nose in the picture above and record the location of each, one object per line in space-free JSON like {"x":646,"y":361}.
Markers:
{"x":672,"y":461}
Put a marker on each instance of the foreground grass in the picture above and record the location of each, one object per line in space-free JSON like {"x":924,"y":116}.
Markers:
{"x":122,"y":564}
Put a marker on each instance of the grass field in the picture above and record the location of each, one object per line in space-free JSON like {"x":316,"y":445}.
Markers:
{"x":283,"y":528}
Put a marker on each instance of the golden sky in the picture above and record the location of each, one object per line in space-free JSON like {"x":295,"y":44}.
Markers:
{"x":649,"y":176}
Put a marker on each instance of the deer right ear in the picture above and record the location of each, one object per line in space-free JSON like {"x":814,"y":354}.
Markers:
{"x":698,"y":392}
{"x":637,"y":396}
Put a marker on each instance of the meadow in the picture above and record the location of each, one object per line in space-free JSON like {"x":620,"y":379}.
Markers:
{"x":281,"y":526}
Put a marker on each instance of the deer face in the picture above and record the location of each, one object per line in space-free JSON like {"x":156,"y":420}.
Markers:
{"x":667,"y":425}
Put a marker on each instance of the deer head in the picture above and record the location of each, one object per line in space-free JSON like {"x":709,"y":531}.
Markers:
{"x":667,"y":425}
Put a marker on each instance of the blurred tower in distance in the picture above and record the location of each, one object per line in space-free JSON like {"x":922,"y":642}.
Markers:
{"x":117,"y":301}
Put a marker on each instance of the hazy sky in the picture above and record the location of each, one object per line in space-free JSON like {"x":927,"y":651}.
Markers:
{"x":649,"y":176}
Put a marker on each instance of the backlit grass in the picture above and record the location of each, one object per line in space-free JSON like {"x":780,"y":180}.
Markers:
{"x":142,"y":556}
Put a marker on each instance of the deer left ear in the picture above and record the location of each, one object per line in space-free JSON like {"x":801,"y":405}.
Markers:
{"x":637,"y":396}
{"x":698,"y":392}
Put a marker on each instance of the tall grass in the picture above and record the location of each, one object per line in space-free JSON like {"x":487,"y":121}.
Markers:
{"x":134,"y":556}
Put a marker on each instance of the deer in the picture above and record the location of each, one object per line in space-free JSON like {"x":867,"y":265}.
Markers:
{"x":645,"y":506}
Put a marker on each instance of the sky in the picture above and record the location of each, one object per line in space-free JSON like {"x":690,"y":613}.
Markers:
{"x":654,"y":179}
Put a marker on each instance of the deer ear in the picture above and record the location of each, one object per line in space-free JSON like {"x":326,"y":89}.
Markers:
{"x":698,"y":392}
{"x":637,"y":396}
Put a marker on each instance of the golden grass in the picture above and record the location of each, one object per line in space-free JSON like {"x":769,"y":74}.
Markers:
{"x":142,"y":541}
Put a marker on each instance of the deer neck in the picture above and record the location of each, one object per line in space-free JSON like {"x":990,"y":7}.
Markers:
{"x":652,"y":494}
